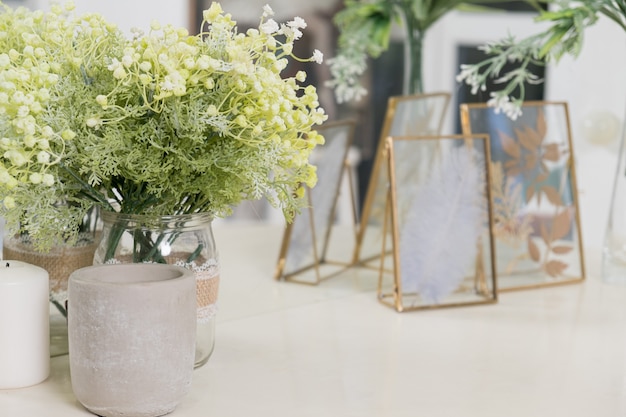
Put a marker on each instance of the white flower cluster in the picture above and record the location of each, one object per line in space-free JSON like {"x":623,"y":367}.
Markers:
{"x":476,"y":75}
{"x":26,"y":78}
{"x":360,"y":39}
{"x":472,"y":77}
{"x":346,"y":70}
{"x":502,"y":103}
{"x":291,"y":30}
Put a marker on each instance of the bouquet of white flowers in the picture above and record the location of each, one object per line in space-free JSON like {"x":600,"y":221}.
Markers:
{"x":162,"y":123}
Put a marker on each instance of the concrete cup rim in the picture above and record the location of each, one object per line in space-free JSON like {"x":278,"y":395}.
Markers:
{"x":132,"y":274}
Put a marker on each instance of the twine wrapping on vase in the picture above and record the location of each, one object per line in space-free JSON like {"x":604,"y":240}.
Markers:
{"x":207,"y":276}
{"x":60,"y":262}
{"x":207,"y":282}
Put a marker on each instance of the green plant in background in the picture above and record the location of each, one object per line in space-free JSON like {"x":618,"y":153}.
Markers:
{"x":564,"y":35}
{"x":365,"y":31}
{"x":163,"y":123}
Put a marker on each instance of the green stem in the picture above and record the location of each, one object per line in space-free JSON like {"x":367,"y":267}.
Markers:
{"x":615,"y":15}
{"x":153,"y":253}
{"x":117,"y":231}
{"x":143,"y":248}
{"x":87,"y":189}
{"x":146,"y":243}
{"x":59,"y":307}
{"x":413,"y":83}
{"x":192,"y":256}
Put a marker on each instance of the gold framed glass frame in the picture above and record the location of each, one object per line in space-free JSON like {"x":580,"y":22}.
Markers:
{"x":305,"y":246}
{"x":438,"y":249}
{"x":420,"y":114}
{"x":536,"y":214}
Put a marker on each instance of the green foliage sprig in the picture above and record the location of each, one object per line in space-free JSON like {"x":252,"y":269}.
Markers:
{"x":365,"y":28}
{"x":566,"y":24}
{"x":160,"y":123}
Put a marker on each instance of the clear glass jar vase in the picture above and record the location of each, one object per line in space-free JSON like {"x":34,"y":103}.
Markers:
{"x":614,"y":245}
{"x":185,"y":240}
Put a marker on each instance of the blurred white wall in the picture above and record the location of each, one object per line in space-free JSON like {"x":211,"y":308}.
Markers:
{"x":127,"y":13}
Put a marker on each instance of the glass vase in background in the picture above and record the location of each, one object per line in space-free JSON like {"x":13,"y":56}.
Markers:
{"x":413,"y":52}
{"x":614,"y":246}
{"x":185,"y":240}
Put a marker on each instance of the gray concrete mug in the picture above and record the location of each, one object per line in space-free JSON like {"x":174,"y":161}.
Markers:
{"x":131,"y":330}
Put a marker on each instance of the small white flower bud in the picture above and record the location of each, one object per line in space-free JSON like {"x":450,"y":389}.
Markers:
{"x":35,"y":178}
{"x":9,"y":202}
{"x":48,"y":180}
{"x":43,"y":157}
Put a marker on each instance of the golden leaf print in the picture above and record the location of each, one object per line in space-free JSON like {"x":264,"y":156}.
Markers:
{"x":561,"y":225}
{"x":562,"y":250}
{"x":533,"y":251}
{"x":509,"y":226}
{"x":510,"y":146}
{"x":552,"y":152}
{"x":553,"y":195}
{"x":528,"y":167}
{"x":555,"y":268}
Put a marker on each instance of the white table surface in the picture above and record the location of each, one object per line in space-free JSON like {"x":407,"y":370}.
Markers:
{"x":333,"y":350}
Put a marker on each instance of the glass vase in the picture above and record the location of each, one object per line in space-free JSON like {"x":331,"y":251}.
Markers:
{"x":413,"y":51}
{"x":184,"y":240}
{"x":614,"y":245}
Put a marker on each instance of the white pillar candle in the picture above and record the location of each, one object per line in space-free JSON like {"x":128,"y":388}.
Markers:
{"x":24,"y":325}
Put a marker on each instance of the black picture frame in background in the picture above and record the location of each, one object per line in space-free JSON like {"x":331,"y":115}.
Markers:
{"x":196,"y":7}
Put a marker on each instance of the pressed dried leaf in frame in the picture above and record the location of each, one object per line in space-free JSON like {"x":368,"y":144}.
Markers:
{"x":532,"y":155}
